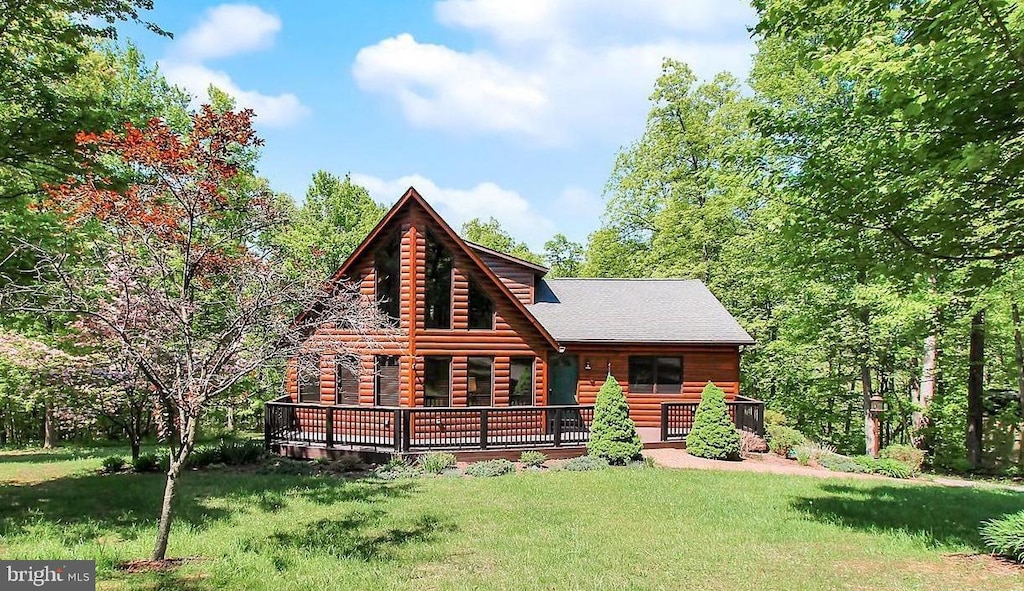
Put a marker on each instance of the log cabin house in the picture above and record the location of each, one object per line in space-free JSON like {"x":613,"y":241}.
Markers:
{"x":494,"y":357}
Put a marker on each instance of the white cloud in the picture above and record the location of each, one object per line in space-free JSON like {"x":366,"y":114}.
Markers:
{"x":227,"y":30}
{"x":553,"y":71}
{"x":457,"y":206}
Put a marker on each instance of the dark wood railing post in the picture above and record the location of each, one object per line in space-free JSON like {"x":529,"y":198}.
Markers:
{"x":329,"y":428}
{"x":558,"y":427}
{"x":664,"y":421}
{"x":396,"y":430}
{"x":267,"y":409}
{"x":483,"y":428}
{"x":406,"y":430}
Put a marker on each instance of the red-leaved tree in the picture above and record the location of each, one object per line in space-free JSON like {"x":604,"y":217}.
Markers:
{"x":178,"y":283}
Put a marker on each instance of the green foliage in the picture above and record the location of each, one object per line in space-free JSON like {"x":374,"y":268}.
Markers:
{"x":585,"y":464}
{"x":713,"y":434}
{"x":533,"y":459}
{"x":908,"y":455}
{"x":113,"y":464}
{"x":149,"y":462}
{"x":782,"y":439}
{"x":1005,"y":536}
{"x":840,"y":463}
{"x":613,"y":435}
{"x":773,"y":417}
{"x":892,"y":468}
{"x":437,"y":462}
{"x":491,"y":468}
{"x":490,"y":234}
{"x":564,"y":257}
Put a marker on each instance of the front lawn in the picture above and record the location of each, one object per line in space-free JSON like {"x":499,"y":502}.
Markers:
{"x":612,"y":529}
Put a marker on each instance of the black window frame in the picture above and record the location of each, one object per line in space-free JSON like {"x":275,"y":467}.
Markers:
{"x":308,"y":389}
{"x":474,"y":316}
{"x":513,"y":399}
{"x":656,"y":365}
{"x":475,"y":399}
{"x":430,"y":400}
{"x":389,"y":255}
{"x":438,"y":312}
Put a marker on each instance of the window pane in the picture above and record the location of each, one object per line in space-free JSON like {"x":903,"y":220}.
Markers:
{"x":387,"y":267}
{"x":437,"y":384}
{"x":521,"y":382}
{"x":386,"y":380}
{"x":481,"y":309}
{"x":438,"y":311}
{"x":480,"y":390}
{"x":346,"y":381}
{"x":669,"y":375}
{"x":308,"y":376}
{"x":641,"y":374}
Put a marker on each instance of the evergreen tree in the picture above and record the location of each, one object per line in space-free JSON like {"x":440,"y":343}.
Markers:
{"x":713,"y":435}
{"x":613,"y":434}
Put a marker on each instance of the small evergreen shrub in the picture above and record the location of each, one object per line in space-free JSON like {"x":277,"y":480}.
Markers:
{"x":613,"y":434}
{"x":585,"y":464}
{"x":752,"y":443}
{"x":491,"y":468}
{"x":908,"y":455}
{"x":533,"y":459}
{"x":1005,"y":536}
{"x":782,"y":439}
{"x":713,"y":435}
{"x":438,"y":462}
{"x":113,"y":464}
{"x":147,"y":463}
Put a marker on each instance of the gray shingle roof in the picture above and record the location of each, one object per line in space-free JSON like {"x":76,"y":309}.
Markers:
{"x":635,"y":310}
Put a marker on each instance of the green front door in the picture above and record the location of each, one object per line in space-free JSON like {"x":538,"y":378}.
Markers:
{"x":565,"y":373}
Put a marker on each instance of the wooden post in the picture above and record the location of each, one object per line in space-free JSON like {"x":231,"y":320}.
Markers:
{"x":329,"y":435}
{"x":558,"y":427}
{"x":406,"y":429}
{"x":267,"y":409}
{"x":664,"y":421}
{"x":483,"y":428}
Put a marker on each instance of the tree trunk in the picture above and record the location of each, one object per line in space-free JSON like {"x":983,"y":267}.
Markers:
{"x":231,"y":418}
{"x":136,"y":447}
{"x":1018,"y":348}
{"x":49,"y":428}
{"x":926,"y":389}
{"x":163,"y":531}
{"x":975,"y":389}
{"x":869,"y":423}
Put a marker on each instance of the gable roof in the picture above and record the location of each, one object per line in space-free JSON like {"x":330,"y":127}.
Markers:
{"x":635,"y":311}
{"x":412,"y":196}
{"x":538,"y":269}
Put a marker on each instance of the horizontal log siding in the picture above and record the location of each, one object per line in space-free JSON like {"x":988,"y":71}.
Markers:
{"x":700,"y":365}
{"x":513,"y":335}
{"x":517,"y":278}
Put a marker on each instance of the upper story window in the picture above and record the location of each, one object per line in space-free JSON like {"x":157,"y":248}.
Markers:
{"x":438,"y":280}
{"x":388,"y":269}
{"x":481,"y":308}
{"x":656,"y":375}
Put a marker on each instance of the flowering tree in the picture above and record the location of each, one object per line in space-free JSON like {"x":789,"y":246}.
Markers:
{"x":176,"y":281}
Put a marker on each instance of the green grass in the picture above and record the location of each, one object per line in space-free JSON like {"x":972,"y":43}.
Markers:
{"x":611,"y":529}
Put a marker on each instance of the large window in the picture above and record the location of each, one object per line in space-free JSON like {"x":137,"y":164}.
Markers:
{"x":386,"y":380}
{"x":308,"y":376}
{"x":521,"y":382}
{"x":657,"y":375}
{"x":437,"y":381}
{"x":346,"y":380}
{"x":387,"y":265}
{"x":438,"y":278}
{"x":481,"y":381}
{"x":481,"y":308}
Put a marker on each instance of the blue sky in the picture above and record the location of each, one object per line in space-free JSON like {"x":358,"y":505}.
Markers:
{"x":508,"y":108}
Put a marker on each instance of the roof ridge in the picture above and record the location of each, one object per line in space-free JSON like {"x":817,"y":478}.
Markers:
{"x":681,"y":279}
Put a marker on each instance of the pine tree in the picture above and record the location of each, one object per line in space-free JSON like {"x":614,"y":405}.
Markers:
{"x":613,"y":434}
{"x":713,"y":435}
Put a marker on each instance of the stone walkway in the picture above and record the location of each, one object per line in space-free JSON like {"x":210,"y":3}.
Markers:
{"x":772,"y":464}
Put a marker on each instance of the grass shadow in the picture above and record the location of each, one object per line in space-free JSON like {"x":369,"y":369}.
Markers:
{"x":942,"y":516}
{"x":61,"y":454}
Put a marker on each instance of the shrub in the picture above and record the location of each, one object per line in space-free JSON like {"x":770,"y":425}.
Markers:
{"x":869,"y":463}
{"x":586,"y":463}
{"x":438,"y":462}
{"x":533,"y":459}
{"x":809,"y":452}
{"x":396,"y":461}
{"x":1005,"y":535}
{"x":752,"y":443}
{"x":148,"y":463}
{"x":892,"y":468}
{"x":204,"y":455}
{"x":839,"y":463}
{"x":909,"y":455}
{"x":613,"y":434}
{"x":782,"y":439}
{"x":350,"y":462}
{"x":803,"y":454}
{"x":713,"y":435}
{"x":773,"y":418}
{"x":113,"y":464}
{"x":239,"y":453}
{"x":287,"y":466}
{"x":491,"y":468}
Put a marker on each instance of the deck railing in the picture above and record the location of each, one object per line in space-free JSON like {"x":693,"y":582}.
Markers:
{"x":416,"y":429}
{"x":677,"y":417}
